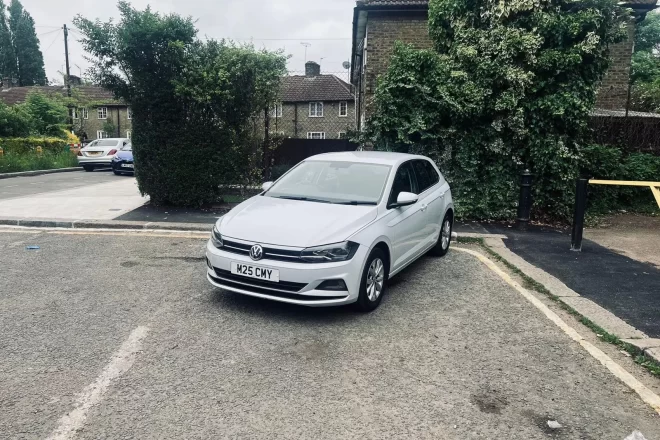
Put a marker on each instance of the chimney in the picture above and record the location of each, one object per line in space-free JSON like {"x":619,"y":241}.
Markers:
{"x":75,"y":80}
{"x":312,"y":69}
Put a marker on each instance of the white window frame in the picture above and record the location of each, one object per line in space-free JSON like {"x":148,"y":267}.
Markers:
{"x":129,"y":133}
{"x":129,"y":113}
{"x":344,"y":103}
{"x":100,"y":134}
{"x":102,"y":112}
{"x":339,"y":135}
{"x":85,"y":113}
{"x":318,"y":134}
{"x":276,"y":110}
{"x":316,"y":113}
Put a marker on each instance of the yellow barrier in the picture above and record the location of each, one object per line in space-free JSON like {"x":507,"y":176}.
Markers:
{"x":655,"y":186}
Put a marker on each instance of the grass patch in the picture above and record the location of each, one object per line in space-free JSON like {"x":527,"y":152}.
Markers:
{"x":531,"y":284}
{"x":14,"y":163}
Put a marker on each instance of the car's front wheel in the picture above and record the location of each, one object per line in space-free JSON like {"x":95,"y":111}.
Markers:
{"x":117,"y":173}
{"x":444,"y":240}
{"x":374,"y":281}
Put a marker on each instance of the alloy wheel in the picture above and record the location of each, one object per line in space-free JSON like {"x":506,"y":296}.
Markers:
{"x":375,"y":279}
{"x":446,"y":234}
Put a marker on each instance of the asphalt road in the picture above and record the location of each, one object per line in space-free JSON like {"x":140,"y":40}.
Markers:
{"x":27,"y":186}
{"x":452,"y":353}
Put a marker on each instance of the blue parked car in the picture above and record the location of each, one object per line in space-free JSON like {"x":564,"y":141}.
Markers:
{"x":122,"y":163}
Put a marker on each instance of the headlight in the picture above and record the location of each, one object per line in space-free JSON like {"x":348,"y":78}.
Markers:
{"x":329,"y":253}
{"x":216,"y":238}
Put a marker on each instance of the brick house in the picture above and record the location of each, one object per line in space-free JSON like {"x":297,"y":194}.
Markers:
{"x":313,"y":106}
{"x":378,"y":24}
{"x":88,"y":123}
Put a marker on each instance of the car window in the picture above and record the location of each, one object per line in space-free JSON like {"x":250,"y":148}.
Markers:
{"x":423,"y":177}
{"x":333,"y":182}
{"x":127,"y":147}
{"x":404,"y":181}
{"x":435,"y":177}
{"x":104,"y":143}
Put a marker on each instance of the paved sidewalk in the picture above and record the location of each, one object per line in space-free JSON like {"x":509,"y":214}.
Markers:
{"x":627,"y":288}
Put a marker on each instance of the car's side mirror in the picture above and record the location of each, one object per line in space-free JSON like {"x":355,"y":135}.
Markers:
{"x":266,"y":186}
{"x":405,"y":199}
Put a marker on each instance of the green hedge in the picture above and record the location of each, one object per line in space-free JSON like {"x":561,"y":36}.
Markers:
{"x":13,"y":163}
{"x":611,"y":163}
{"x":28,"y":145}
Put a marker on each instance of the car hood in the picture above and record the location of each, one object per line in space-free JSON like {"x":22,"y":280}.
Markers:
{"x":124,"y":155}
{"x":295,"y":223}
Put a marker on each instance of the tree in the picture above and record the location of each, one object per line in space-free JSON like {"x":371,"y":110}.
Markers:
{"x":14,"y":121}
{"x":48,"y":117}
{"x":508,"y":86}
{"x":192,"y":101}
{"x":25,"y":44}
{"x":8,"y":66}
{"x":646,"y":65}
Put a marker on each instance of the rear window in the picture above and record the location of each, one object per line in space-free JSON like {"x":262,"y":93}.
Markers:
{"x":103,"y":143}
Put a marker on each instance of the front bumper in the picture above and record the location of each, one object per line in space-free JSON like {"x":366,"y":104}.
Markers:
{"x":308,"y":275}
{"x":117,"y":166}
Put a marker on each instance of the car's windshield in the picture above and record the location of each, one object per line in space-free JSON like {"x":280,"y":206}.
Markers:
{"x":127,"y":148}
{"x":104,"y":143}
{"x":333,"y":182}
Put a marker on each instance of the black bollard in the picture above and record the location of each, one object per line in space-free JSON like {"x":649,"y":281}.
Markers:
{"x":525,"y":202}
{"x":578,"y":217}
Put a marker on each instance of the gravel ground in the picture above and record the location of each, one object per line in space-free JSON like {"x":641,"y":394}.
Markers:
{"x":452,"y":353}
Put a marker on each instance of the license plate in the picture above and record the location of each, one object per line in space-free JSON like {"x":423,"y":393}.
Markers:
{"x":94,"y":153}
{"x":127,"y":165}
{"x":260,"y":273}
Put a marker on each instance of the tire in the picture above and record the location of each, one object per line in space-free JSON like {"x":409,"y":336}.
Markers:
{"x":444,"y":239}
{"x":88,"y":168}
{"x":117,"y":173}
{"x":369,"y":300}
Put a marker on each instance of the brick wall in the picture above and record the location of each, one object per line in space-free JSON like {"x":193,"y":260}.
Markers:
{"x":383,"y":30}
{"x":94,"y":124}
{"x":613,"y":93}
{"x":330,"y":124}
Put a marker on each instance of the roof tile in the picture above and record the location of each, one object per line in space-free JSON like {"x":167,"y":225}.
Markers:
{"x":17,"y":95}
{"x":300,"y":88}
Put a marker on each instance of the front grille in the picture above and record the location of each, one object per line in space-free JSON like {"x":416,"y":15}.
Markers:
{"x":269,"y":253}
{"x":274,"y":293}
{"x":282,"y":285}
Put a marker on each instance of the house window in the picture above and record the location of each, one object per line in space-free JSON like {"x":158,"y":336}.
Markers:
{"x":74,"y":113}
{"x":128,"y":134}
{"x":341,"y":135}
{"x":343,"y":108}
{"x":102,"y":112}
{"x":315,"y":135}
{"x":129,"y":113}
{"x":100,"y":134}
{"x":85,"y":113}
{"x":315,"y":109}
{"x":276,"y":111}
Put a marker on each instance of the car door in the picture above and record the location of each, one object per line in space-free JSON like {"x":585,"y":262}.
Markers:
{"x":407,"y":221}
{"x":432,"y":200}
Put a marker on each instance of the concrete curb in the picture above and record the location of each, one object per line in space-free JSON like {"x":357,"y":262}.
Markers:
{"x":585,"y":307}
{"x":39,"y":172}
{"x":104,"y":224}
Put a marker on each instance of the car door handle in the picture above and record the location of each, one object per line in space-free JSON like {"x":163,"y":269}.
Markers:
{"x":424,"y":206}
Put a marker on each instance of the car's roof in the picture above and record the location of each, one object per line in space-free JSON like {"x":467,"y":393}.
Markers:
{"x":376,"y":157}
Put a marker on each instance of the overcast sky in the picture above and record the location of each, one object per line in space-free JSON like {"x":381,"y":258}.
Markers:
{"x":325,"y":24}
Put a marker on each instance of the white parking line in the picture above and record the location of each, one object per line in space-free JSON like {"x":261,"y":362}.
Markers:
{"x":120,"y":363}
{"x":617,"y":370}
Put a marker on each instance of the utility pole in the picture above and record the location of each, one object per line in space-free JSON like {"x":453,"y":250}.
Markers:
{"x":68,"y":71}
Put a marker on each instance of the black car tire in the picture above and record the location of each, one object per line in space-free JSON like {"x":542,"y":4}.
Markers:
{"x":117,"y":173}
{"x":440,"y":249}
{"x":364,"y":304}
{"x":88,"y":168}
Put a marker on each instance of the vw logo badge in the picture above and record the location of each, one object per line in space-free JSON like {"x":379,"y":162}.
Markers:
{"x":256,"y":252}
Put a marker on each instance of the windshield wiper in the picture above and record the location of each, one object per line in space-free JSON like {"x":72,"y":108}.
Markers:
{"x":304,"y":199}
{"x":356,"y":203}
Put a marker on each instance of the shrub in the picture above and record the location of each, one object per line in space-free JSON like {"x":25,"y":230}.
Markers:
{"x":612,"y":163}
{"x":13,"y":163}
{"x":22,"y":146}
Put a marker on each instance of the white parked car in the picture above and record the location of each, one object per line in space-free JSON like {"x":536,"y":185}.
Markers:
{"x":333,"y":230}
{"x":99,"y":153}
